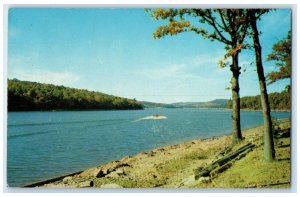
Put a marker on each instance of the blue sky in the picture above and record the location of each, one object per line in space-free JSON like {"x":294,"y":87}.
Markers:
{"x":113,"y":51}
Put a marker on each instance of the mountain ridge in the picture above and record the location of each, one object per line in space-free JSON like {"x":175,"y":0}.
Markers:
{"x":216,"y":103}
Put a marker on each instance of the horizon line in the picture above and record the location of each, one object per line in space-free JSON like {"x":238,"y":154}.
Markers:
{"x":125,"y":96}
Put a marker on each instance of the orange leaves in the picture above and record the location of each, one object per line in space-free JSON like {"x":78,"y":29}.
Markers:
{"x":176,"y":23}
{"x":234,"y":51}
{"x":160,"y":13}
{"x":230,"y":52}
{"x":177,"y":27}
{"x":173,"y":28}
{"x":281,"y":54}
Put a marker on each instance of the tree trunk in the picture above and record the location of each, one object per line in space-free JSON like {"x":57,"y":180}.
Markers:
{"x":236,"y":125}
{"x":269,"y":151}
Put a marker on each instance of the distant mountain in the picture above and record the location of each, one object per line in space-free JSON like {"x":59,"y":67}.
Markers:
{"x":217,"y":103}
{"x":147,"y":104}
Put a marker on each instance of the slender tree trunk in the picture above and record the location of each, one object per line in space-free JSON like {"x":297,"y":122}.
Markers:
{"x":236,"y":125}
{"x":269,"y":151}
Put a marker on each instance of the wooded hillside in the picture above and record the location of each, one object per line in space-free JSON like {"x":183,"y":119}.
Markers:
{"x":278,"y":101}
{"x":33,"y":96}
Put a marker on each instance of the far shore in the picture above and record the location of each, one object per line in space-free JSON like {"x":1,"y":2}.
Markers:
{"x":206,"y":108}
{"x":169,"y":166}
{"x":272,"y":110}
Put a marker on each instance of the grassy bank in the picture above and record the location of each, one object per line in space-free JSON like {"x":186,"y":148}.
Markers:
{"x":175,"y":166}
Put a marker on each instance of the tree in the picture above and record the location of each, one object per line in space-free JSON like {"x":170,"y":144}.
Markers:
{"x":277,"y":100}
{"x":24,"y":95}
{"x":269,"y":151}
{"x":228,"y":26}
{"x":281,"y":54}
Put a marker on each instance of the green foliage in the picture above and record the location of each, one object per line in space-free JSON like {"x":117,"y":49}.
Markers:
{"x":281,"y":54}
{"x":278,"y":101}
{"x":24,"y":95}
{"x":147,"y":104}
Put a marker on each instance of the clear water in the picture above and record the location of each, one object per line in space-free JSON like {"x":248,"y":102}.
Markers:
{"x":42,"y":145}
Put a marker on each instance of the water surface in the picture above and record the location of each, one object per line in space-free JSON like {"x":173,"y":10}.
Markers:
{"x":42,"y":145}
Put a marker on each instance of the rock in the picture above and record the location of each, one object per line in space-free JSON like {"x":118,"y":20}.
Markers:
{"x":113,"y":174}
{"x":204,"y":179}
{"x":111,"y":186}
{"x":56,"y":186}
{"x":67,"y":179}
{"x":86,"y":184}
{"x":160,"y":150}
{"x":104,"y":171}
{"x":93,"y":172}
{"x":123,"y":164}
{"x":187,"y":181}
{"x":98,"y":172}
{"x":127,"y":158}
{"x":119,"y":171}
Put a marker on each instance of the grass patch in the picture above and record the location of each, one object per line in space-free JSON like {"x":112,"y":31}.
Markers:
{"x":124,"y":183}
{"x":196,"y":155}
{"x":252,"y":171}
{"x":128,"y":183}
{"x":171,"y":168}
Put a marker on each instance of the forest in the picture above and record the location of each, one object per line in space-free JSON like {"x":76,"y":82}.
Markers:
{"x":33,"y":96}
{"x":277,"y":100}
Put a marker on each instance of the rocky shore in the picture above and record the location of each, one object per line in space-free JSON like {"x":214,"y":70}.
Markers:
{"x":177,"y":166}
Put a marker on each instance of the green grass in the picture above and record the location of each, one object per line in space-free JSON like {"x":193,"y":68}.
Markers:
{"x":250,"y":171}
{"x":163,"y":173}
{"x":126,"y":183}
{"x":196,"y":155}
{"x":253,"y":171}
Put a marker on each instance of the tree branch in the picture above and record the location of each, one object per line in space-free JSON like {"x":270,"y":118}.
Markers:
{"x":222,"y":19}
{"x":244,"y":33}
{"x":210,"y":20}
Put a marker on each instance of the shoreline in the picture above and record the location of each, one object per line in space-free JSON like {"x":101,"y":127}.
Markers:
{"x":142,"y":153}
{"x":167,"y":147}
{"x":259,"y":110}
{"x":143,"y":169}
{"x":206,"y":108}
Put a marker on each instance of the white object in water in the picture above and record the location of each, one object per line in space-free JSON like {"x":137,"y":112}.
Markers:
{"x":155,"y":117}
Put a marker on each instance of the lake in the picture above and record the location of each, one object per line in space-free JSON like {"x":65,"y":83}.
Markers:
{"x":42,"y":145}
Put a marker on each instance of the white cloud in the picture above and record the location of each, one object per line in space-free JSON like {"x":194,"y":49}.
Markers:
{"x":186,"y":68}
{"x":206,"y":59}
{"x":170,"y":71}
{"x":45,"y":76}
